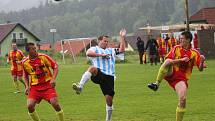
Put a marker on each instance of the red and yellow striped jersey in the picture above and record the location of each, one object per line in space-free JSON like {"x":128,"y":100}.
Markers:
{"x":184,"y":69}
{"x":38,"y":69}
{"x":172,"y":42}
{"x":14,"y":57}
{"x":161,"y":43}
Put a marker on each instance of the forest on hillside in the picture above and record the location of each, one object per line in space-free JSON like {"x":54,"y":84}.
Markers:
{"x":90,"y":18}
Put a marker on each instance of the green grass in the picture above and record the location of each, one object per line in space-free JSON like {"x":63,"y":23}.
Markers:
{"x":133,"y":100}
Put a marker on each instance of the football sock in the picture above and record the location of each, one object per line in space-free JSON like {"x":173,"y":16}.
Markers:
{"x":60,"y":115}
{"x":180,"y":113}
{"x":16,"y":85}
{"x":109,"y":110}
{"x":85,"y":77}
{"x":34,"y":116}
{"x":162,"y":73}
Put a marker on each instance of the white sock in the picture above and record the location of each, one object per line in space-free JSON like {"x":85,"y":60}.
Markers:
{"x":109,"y":110}
{"x":85,"y":77}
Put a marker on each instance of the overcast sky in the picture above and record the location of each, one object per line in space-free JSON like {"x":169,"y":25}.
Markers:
{"x":15,"y":5}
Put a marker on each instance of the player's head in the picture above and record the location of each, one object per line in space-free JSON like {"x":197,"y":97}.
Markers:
{"x":31,"y":48}
{"x":186,"y":37}
{"x":139,"y":39}
{"x":103,"y":41}
{"x":14,"y":46}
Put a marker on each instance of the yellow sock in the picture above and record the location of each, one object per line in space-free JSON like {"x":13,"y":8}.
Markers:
{"x":162,"y":73}
{"x":180,"y":113}
{"x":34,"y":116}
{"x":16,"y":85}
{"x":60,"y":115}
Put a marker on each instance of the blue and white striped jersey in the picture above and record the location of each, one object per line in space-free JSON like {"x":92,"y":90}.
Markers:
{"x":106,"y":65}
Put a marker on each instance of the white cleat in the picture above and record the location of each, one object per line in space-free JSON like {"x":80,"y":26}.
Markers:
{"x":16,"y":92}
{"x":77,"y":88}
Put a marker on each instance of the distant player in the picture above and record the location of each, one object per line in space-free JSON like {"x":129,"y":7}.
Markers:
{"x":177,"y":69}
{"x":161,"y":48}
{"x":40,"y":81}
{"x":172,"y":41}
{"x":15,"y":57}
{"x":102,"y":71}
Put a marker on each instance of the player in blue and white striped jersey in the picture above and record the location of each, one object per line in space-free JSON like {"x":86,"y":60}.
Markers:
{"x":102,"y":71}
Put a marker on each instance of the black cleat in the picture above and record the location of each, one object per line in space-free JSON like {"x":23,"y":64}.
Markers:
{"x":153,"y":86}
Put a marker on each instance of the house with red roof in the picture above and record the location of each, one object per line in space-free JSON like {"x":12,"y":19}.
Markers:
{"x":14,"y":32}
{"x":205,"y":15}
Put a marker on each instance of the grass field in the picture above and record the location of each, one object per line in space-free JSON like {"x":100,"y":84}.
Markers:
{"x":133,"y":100}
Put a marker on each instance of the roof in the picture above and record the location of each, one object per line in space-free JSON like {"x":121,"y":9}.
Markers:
{"x":178,"y":26}
{"x":6,"y":29}
{"x":204,"y":14}
{"x":73,"y":46}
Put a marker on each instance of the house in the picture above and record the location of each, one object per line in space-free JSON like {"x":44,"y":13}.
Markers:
{"x":77,"y":45}
{"x":205,"y":15}
{"x":71,"y":46}
{"x":14,"y":32}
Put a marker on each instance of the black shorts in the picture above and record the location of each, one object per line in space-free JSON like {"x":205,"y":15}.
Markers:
{"x":106,"y":83}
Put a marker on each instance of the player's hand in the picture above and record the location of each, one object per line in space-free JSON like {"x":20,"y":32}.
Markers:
{"x":53,"y":83}
{"x":185,"y":59}
{"x":122,"y":33}
{"x":107,"y":56}
{"x":27,"y":89}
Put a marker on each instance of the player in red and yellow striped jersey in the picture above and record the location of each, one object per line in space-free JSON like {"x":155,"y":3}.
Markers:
{"x":161,"y":48}
{"x":177,"y":69}
{"x":40,"y":81}
{"x":172,"y":42}
{"x":15,"y":57}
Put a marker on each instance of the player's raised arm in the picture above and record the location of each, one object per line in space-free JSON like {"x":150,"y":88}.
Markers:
{"x":122,"y":35}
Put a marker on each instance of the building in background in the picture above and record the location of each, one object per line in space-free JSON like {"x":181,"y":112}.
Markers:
{"x":14,"y":32}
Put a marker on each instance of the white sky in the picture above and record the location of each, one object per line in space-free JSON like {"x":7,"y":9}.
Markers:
{"x":14,"y":5}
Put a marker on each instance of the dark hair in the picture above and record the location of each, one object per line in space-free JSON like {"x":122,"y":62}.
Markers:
{"x":138,"y":38}
{"x":101,"y":37}
{"x":27,"y":46}
{"x":13,"y":42}
{"x":187,"y":35}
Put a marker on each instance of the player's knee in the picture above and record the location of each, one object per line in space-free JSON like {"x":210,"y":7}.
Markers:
{"x":92,"y":69}
{"x":31,"y":107}
{"x":109,"y":100}
{"x":167,"y":62}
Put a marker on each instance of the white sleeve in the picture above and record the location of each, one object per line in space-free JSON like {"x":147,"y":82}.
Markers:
{"x":92,"y":49}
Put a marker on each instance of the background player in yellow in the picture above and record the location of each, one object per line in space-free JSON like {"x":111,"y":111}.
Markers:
{"x":15,"y":57}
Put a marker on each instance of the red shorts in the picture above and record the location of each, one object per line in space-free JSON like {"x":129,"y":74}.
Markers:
{"x":175,"y":78}
{"x":17,"y":73}
{"x":37,"y":93}
{"x":162,"y":52}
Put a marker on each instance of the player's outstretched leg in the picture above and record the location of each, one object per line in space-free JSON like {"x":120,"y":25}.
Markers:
{"x":165,"y":69}
{"x":84,"y":79}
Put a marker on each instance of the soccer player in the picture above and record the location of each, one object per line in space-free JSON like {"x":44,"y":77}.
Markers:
{"x":102,"y":71}
{"x":177,"y":69}
{"x":172,"y":41}
{"x":15,"y":57}
{"x":40,"y":81}
{"x":161,"y":48}
{"x":153,"y":49}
